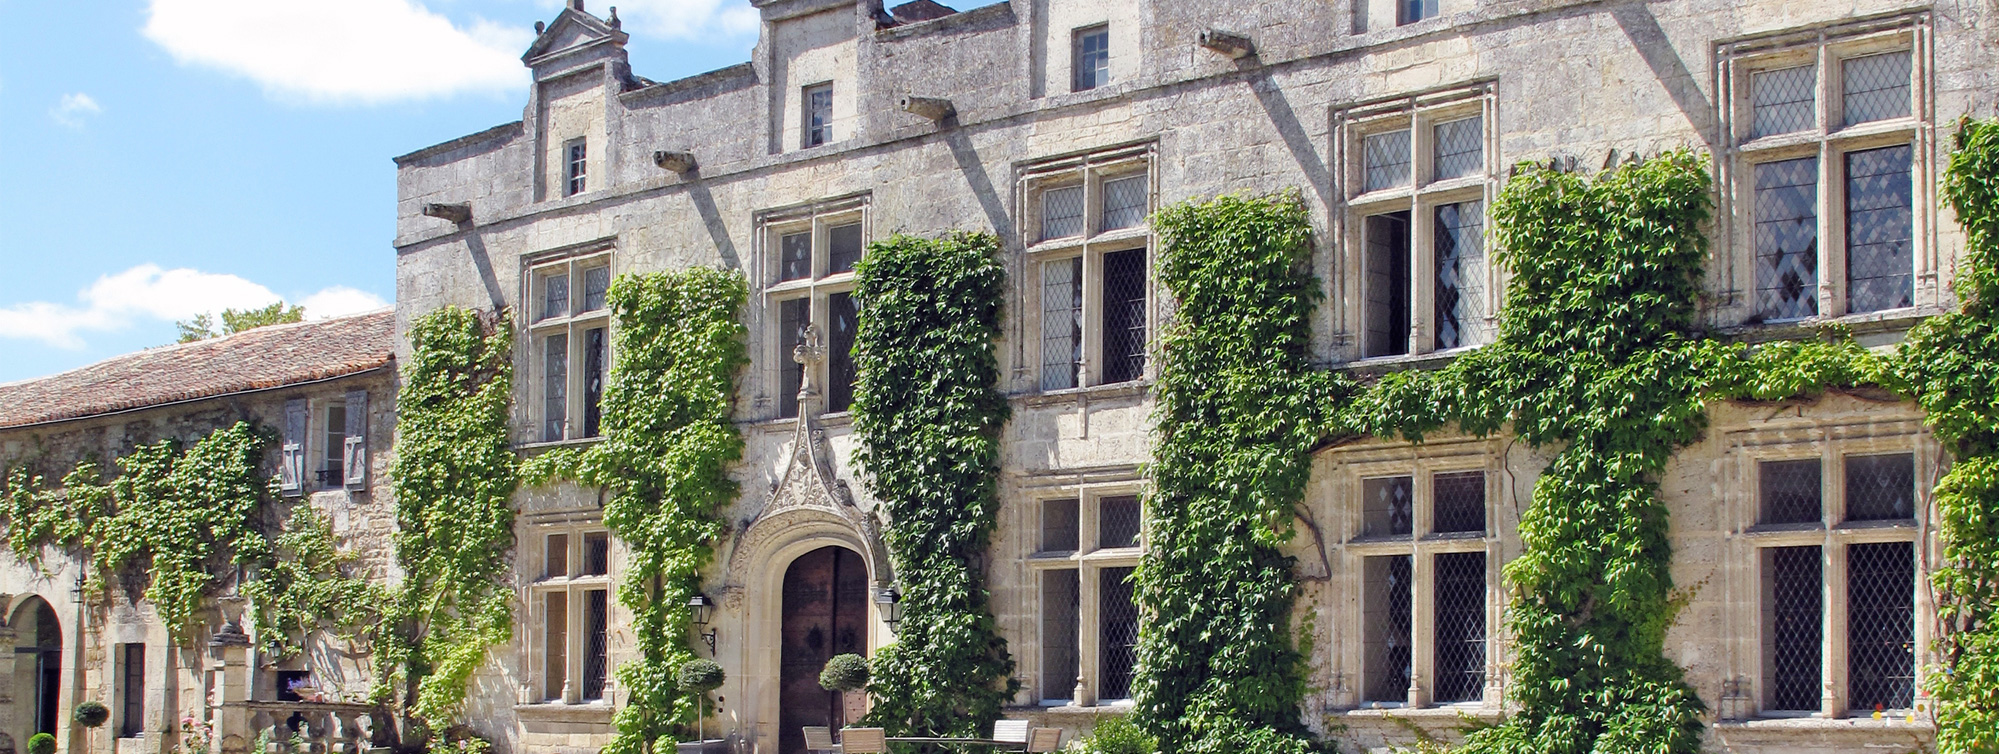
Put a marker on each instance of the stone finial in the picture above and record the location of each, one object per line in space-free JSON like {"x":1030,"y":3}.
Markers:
{"x":576,"y":5}
{"x":1236,"y":46}
{"x":934,"y":108}
{"x":613,"y":20}
{"x":540,"y":27}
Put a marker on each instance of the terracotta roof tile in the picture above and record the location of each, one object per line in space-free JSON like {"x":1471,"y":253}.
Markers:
{"x":265,"y":357}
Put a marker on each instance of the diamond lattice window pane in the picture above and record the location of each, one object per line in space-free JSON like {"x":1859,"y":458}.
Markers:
{"x":554,"y":296}
{"x":1876,"y":87}
{"x":1787,"y":239}
{"x":1460,"y":625}
{"x":1880,"y":243}
{"x":842,"y":319}
{"x":1792,"y":599}
{"x":794,"y":260}
{"x":845,"y":241}
{"x":1059,"y":634}
{"x":1058,"y":525}
{"x":596,"y":642}
{"x":1388,"y":620}
{"x":1460,"y":257}
{"x":1789,"y":491}
{"x":1780,"y":101}
{"x":1061,"y":323}
{"x":1118,"y":521}
{"x":1880,"y":626}
{"x":555,"y":387}
{"x":1062,"y":212}
{"x":1124,"y":202}
{"x":1880,"y":488}
{"x":1124,"y":316}
{"x":1460,"y":148}
{"x":792,"y":318}
{"x":1459,"y":498}
{"x":1387,"y":160}
{"x":596,"y":285}
{"x":1386,"y":505}
{"x":1117,"y":617}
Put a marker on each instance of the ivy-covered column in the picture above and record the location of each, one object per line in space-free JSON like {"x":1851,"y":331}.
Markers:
{"x":668,"y":443}
{"x":454,"y":476}
{"x":1951,"y":364}
{"x":928,"y":414}
{"x":1239,"y":409}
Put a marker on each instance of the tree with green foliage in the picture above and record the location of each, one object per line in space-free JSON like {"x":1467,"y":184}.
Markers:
{"x":668,"y":443}
{"x":202,"y":326}
{"x":453,"y":476}
{"x":928,"y":414}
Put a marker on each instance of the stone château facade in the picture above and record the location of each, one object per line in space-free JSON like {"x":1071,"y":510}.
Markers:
{"x":1801,"y":531}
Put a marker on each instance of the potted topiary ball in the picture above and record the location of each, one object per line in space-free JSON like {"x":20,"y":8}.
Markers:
{"x":91,"y":714}
{"x":41,"y":743}
{"x":846,"y":672}
{"x":700,"y":676}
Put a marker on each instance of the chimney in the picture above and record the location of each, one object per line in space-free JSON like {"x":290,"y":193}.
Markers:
{"x":577,"y":4}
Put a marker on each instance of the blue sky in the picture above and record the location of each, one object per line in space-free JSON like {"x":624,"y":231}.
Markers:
{"x":160,"y":158}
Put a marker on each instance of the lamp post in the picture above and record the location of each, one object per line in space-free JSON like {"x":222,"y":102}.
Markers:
{"x":703,"y":610}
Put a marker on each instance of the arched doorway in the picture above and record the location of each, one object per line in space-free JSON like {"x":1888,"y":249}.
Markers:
{"x":38,"y":664}
{"x":824,"y":614}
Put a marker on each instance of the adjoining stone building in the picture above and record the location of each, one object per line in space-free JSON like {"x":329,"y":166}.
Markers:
{"x":1799,"y":530}
{"x":327,"y":391}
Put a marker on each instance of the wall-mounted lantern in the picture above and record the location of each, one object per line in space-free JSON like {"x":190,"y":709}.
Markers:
{"x":889,"y":602}
{"x":703,"y":610}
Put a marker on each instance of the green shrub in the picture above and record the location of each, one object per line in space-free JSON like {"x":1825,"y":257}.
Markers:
{"x":701,"y":676}
{"x":845,"y":672}
{"x":1117,"y":735}
{"x":91,"y":714}
{"x":42,"y":743}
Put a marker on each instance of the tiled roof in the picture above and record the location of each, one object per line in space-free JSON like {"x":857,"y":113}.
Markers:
{"x":265,"y":357}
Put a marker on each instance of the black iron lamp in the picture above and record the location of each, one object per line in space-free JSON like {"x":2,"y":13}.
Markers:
{"x":703,"y":610}
{"x":889,"y":601}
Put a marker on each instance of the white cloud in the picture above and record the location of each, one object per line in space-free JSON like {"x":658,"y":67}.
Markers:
{"x":701,"y":20}
{"x":72,"y":108}
{"x":341,"y":51}
{"x":340,"y":301}
{"x":148,"y":292}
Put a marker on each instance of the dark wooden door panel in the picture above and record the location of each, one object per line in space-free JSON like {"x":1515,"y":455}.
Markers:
{"x":825,"y":613}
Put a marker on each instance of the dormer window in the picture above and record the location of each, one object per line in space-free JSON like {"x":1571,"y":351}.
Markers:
{"x":577,"y":161}
{"x":818,"y":114}
{"x":1092,"y":57}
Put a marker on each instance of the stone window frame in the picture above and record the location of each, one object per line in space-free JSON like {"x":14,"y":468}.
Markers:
{"x":818,"y":218}
{"x":536,"y":270}
{"x":1090,"y":170}
{"x":1745,"y":690}
{"x":1824,"y":47}
{"x":1419,"y":113}
{"x":575,"y":584}
{"x":1351,"y":549}
{"x":1088,"y":561}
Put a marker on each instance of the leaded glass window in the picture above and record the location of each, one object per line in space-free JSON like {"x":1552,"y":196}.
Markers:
{"x":1124,"y":316}
{"x":1117,"y":620}
{"x":1458,"y":499}
{"x":1060,"y":626}
{"x":1880,"y":598}
{"x":842,"y":319}
{"x":1387,"y":506}
{"x":1786,"y":237}
{"x":1124,"y":202}
{"x":1460,"y":148}
{"x":1460,"y":627}
{"x":1061,"y":323}
{"x":1781,"y":101}
{"x":1880,"y":248}
{"x":1387,"y":160}
{"x":1388,"y":623}
{"x":1881,"y":487}
{"x":1118,"y":521}
{"x":1789,"y":491}
{"x":1794,"y":619}
{"x":1460,"y":259}
{"x":1876,"y":87}
{"x":1061,"y":212}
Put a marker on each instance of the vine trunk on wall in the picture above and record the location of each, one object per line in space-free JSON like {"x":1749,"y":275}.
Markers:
{"x":1238,"y":413}
{"x":664,"y":460}
{"x":454,"y":476}
{"x":929,"y":416}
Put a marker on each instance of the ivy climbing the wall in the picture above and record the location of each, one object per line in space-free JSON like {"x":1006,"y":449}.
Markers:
{"x":175,"y":520}
{"x":454,"y":476}
{"x":306,"y":584}
{"x":929,"y":416}
{"x":664,"y":461}
{"x":1239,"y":411}
{"x":1951,"y":364}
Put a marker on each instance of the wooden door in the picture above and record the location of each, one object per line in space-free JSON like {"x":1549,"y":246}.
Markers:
{"x":825,"y":614}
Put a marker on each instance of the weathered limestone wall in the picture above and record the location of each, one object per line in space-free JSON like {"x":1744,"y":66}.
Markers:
{"x":1565,"y":80}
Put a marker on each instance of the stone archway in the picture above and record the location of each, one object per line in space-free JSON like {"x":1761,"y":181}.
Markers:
{"x":37,"y":682}
{"x":824,"y":613}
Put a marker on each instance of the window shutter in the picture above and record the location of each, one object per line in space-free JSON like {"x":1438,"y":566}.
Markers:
{"x":291,"y":462}
{"x":355,"y":461}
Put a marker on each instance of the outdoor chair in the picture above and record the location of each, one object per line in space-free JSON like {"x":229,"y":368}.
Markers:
{"x":820,"y":738}
{"x":1011,"y":732}
{"x":863,"y":741}
{"x":1044,"y":740}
